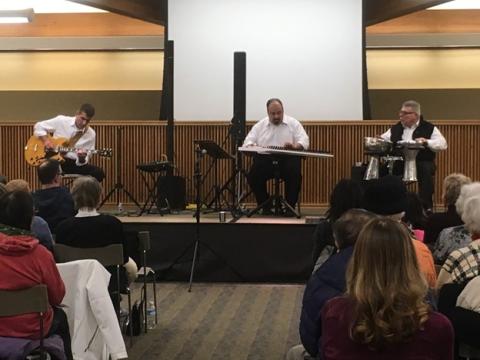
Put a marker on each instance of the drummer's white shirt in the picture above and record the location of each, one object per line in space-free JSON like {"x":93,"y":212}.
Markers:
{"x":436,"y":142}
{"x":264,"y":133}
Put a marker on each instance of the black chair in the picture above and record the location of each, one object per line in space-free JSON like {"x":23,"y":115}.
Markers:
{"x":111,"y":255}
{"x":25,"y":301}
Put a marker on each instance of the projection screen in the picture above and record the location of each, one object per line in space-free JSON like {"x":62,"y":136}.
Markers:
{"x":306,"y":52}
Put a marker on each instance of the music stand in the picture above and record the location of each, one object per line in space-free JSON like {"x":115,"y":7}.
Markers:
{"x":215,"y":152}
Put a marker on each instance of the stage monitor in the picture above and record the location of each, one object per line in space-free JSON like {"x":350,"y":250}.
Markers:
{"x":307,"y":53}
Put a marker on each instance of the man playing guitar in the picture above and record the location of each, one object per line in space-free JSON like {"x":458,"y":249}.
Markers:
{"x":79,"y":136}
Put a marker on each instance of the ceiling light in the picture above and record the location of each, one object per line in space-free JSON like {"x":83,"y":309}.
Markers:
{"x":458,"y":5}
{"x":50,"y":6}
{"x":16,"y":16}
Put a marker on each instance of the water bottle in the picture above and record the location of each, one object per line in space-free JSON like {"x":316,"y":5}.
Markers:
{"x":151,"y":312}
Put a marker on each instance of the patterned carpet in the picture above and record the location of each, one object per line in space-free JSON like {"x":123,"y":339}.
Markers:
{"x":222,"y":321}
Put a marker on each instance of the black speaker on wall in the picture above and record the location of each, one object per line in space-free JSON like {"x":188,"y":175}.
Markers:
{"x":239,"y":96}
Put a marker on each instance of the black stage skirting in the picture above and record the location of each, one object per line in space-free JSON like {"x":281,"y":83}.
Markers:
{"x":228,"y":252}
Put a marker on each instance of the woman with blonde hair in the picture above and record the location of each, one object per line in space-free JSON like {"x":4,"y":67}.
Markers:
{"x":383,"y":314}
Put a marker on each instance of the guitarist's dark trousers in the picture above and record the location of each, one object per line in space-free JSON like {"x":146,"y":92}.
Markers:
{"x":69,"y":167}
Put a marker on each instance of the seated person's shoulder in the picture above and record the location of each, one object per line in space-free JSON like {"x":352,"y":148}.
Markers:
{"x":338,"y":303}
{"x":439,"y":323}
{"x":109,"y":219}
{"x":420,"y":246}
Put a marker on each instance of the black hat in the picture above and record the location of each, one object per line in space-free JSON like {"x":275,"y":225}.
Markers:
{"x":386,"y":196}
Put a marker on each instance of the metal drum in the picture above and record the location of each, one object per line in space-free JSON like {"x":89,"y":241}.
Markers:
{"x":375,"y":147}
{"x":410,"y":150}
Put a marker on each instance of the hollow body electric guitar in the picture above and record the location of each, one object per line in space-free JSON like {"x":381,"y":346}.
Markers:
{"x":36,"y":153}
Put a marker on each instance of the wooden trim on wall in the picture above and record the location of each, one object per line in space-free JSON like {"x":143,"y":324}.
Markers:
{"x":84,"y":24}
{"x":430,"y":21}
{"x":144,"y":141}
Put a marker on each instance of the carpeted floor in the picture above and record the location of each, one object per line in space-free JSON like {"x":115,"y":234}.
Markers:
{"x":222,"y":321}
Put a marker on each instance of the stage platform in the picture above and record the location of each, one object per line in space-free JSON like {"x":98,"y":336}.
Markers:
{"x":256,"y":249}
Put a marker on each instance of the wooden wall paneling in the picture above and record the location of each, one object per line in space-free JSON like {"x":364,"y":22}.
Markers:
{"x":427,"y":21}
{"x":82,"y":24}
{"x":144,"y":141}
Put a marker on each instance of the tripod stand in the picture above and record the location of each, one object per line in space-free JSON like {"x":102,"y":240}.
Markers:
{"x":198,"y":184}
{"x":198,"y":201}
{"x":276,"y":199}
{"x":119,"y":187}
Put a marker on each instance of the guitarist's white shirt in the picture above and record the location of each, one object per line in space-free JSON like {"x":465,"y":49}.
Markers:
{"x":64,"y":127}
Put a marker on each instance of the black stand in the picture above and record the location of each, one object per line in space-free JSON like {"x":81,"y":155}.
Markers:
{"x":118,"y":187}
{"x":155,"y":169}
{"x":198,"y":183}
{"x":216,"y":152}
{"x":238,"y":178}
{"x":276,"y":200}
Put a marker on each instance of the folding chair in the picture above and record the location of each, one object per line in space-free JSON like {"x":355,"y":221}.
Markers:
{"x":111,"y":255}
{"x":25,"y":301}
{"x":144,"y":246}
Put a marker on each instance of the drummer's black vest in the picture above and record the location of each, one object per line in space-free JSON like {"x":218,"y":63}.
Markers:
{"x":424,"y":129}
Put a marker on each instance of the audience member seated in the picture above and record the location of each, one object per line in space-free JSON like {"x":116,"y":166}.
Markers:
{"x":89,"y":229}
{"x":383,"y":314}
{"x":452,"y":185}
{"x":464,"y":264}
{"x":461,"y":304}
{"x":387,"y":196}
{"x":456,"y":237}
{"x":53,"y":202}
{"x":327,"y":282}
{"x":346,"y":195}
{"x":466,"y":315}
{"x":39,"y":226}
{"x":415,"y":216}
{"x":25,"y":264}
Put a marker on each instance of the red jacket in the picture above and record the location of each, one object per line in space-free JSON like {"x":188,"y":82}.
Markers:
{"x":23,"y":264}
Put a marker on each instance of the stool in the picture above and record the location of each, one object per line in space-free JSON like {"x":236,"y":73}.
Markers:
{"x":68,"y":179}
{"x":276,"y":200}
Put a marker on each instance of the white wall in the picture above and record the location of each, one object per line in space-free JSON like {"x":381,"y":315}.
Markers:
{"x":306,"y":52}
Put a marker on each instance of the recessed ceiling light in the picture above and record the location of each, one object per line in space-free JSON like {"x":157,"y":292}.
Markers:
{"x":458,"y":5}
{"x":50,"y":6}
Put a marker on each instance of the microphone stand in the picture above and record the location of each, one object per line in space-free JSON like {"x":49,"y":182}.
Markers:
{"x":198,"y":183}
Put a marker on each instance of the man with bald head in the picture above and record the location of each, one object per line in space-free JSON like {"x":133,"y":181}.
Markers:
{"x":277,"y":129}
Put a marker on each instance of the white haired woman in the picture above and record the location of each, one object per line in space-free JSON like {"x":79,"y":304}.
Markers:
{"x":89,"y":229}
{"x":463,"y":264}
{"x":455,"y":237}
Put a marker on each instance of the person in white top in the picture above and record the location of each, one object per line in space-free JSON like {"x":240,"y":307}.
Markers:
{"x":277,"y":129}
{"x":412,"y":126}
{"x":76,"y":129}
